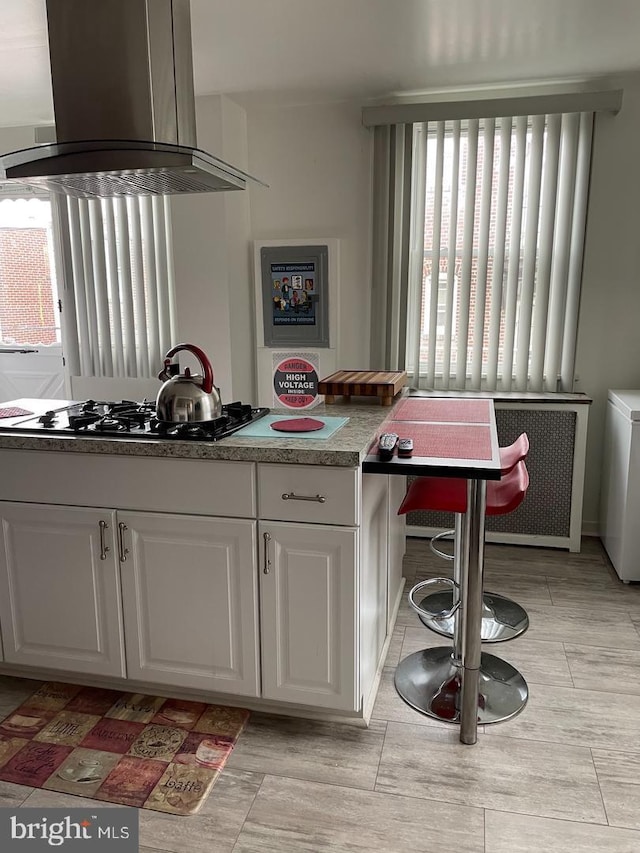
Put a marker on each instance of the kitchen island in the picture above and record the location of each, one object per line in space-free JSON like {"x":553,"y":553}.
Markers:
{"x":261,"y":572}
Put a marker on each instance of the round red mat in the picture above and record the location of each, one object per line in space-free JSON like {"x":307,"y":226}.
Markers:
{"x":297,"y":425}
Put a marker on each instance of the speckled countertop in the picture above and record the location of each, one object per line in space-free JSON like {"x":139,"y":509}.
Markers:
{"x":345,"y":448}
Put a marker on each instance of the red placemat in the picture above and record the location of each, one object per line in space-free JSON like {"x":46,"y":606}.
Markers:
{"x":444,"y":410}
{"x":14,"y":412}
{"x":446,"y":441}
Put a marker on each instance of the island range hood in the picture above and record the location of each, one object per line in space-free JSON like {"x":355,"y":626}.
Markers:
{"x":122,"y":77}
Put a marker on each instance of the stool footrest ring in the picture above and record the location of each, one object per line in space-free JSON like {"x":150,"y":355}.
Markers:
{"x":445,"y":534}
{"x":445,"y":614}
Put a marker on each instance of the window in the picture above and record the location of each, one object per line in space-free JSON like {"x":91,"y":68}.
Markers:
{"x":498,"y":208}
{"x":441,"y":310}
{"x":29,"y":313}
{"x":119,"y":269}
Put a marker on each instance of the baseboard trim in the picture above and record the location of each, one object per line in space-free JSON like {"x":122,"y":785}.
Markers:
{"x":234,"y":700}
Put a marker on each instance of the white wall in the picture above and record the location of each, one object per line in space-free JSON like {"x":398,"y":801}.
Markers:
{"x":317,"y":162}
{"x":15,"y":138}
{"x":608,"y":352}
{"x":211,"y":235}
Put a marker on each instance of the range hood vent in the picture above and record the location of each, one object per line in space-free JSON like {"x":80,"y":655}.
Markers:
{"x":122,"y":76}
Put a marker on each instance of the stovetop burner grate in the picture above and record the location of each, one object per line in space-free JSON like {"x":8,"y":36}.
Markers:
{"x":129,"y":419}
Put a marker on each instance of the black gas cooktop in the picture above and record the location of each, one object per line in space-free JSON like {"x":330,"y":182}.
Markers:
{"x":128,"y":419}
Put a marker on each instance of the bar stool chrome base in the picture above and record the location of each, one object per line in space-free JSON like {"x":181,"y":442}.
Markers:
{"x":502,"y":618}
{"x":430,"y":682}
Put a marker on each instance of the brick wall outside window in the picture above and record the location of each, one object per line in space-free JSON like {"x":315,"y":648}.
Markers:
{"x":28,"y":314}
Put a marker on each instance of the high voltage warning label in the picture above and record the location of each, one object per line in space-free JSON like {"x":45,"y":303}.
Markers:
{"x":295,"y":382}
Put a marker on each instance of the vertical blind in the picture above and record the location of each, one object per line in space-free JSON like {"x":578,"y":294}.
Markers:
{"x":392,"y":206}
{"x":120,"y":260}
{"x":495,"y":251}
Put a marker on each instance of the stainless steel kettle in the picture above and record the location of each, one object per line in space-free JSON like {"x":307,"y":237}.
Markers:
{"x":185,"y":397}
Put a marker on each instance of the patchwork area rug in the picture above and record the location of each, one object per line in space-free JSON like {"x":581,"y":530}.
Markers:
{"x":144,"y":751}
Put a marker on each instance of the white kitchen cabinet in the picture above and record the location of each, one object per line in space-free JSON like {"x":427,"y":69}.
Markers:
{"x":308,"y":614}
{"x":181,"y":597}
{"x":138,"y":483}
{"x":314,"y":493}
{"x":60,"y":588}
{"x":328,"y":591}
{"x":189,"y":593}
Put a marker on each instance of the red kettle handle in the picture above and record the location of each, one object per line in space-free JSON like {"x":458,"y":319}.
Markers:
{"x":207,"y":370}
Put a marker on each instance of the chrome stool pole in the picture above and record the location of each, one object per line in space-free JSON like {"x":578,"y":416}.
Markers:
{"x":430,"y":681}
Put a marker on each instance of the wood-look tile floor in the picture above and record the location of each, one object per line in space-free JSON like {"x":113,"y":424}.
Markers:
{"x":563,"y":776}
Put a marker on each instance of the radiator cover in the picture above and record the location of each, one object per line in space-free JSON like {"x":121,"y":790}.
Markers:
{"x":551,"y":511}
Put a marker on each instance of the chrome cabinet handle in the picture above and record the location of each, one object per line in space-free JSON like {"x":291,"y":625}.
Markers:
{"x":267,"y":561}
{"x":121,"y":546}
{"x":104,"y":549}
{"x":290,"y":496}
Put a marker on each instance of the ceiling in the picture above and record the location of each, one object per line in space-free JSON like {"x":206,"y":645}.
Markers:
{"x":296,"y":51}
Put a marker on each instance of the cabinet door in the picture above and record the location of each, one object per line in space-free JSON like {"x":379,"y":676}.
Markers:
{"x":308,"y":587}
{"x":60,"y":588}
{"x":189,"y":588}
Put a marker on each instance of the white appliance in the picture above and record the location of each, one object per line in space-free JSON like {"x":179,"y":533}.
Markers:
{"x":620,"y":496}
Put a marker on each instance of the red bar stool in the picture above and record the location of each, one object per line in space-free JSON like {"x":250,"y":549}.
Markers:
{"x":430,"y":680}
{"x":502,"y":618}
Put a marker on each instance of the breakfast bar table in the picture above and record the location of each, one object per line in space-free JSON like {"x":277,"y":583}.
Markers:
{"x":453,"y":437}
